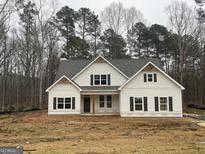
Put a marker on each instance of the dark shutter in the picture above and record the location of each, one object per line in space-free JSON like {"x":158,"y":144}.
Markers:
{"x":155,"y":77}
{"x":170,"y":104}
{"x":145,"y":77}
{"x":73,"y":103}
{"x":156,"y":104}
{"x":54,"y":103}
{"x":131,"y":104}
{"x":145,"y":104}
{"x":91,"y":79}
{"x":109,"y":82}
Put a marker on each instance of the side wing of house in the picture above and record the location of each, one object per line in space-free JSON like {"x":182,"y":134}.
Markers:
{"x":151,"y":93}
{"x":64,"y":97}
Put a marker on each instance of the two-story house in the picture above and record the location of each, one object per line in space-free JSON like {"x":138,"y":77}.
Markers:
{"x":125,"y":87}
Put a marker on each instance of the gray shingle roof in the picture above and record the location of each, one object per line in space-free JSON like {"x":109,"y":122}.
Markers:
{"x":129,"y":67}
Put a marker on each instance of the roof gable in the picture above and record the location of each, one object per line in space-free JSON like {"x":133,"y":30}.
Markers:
{"x":63,"y":79}
{"x":100,"y":59}
{"x":160,"y":70}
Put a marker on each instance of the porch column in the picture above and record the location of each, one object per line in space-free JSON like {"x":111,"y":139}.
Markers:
{"x":93,"y":98}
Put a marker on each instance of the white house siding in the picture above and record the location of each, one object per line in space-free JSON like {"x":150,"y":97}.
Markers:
{"x":117,"y":79}
{"x":164,"y":87}
{"x":64,"y":90}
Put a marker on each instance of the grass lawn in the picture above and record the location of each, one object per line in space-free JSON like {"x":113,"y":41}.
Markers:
{"x":100,"y":135}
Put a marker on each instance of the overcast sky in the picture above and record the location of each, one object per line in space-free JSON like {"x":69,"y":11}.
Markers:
{"x":153,"y":10}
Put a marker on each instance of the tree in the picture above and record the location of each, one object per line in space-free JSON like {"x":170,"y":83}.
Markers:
{"x":114,"y":44}
{"x":158,"y":35}
{"x":94,"y":31}
{"x":132,"y":16}
{"x":113,"y":17}
{"x":200,"y":10}
{"x":65,"y":21}
{"x":182,"y":21}
{"x":136,"y":39}
{"x":89,"y":28}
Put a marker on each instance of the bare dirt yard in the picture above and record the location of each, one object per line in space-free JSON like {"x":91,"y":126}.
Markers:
{"x":43,"y":134}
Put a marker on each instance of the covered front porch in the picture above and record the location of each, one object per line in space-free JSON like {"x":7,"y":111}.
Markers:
{"x":100,"y":104}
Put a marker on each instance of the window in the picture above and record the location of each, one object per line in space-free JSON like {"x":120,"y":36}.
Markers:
{"x":163,"y":104}
{"x":67,"y":103}
{"x":103,"y":80}
{"x":105,"y":99}
{"x":97,"y":80}
{"x":138,"y":104}
{"x":109,"y":101}
{"x":64,"y":103}
{"x":60,"y":103}
{"x":150,"y":77}
{"x":102,"y":101}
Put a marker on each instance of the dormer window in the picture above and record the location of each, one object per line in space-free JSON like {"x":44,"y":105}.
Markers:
{"x":150,"y":77}
{"x":100,"y":79}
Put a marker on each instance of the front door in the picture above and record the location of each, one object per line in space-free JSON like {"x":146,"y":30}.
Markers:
{"x":87,"y":104}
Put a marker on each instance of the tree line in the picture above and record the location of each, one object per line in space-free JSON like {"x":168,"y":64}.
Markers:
{"x":35,"y":33}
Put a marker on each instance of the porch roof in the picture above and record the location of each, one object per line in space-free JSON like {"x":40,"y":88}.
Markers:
{"x":99,"y":88}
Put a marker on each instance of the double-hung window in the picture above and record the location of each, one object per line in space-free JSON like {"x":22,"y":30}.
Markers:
{"x":163,"y":104}
{"x":103,"y":79}
{"x":97,"y":79}
{"x":138,"y":104}
{"x":109,"y":101}
{"x":68,"y":103}
{"x":102,"y":101}
{"x":60,"y":103}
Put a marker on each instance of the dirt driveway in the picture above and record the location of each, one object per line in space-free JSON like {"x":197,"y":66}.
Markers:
{"x":40,"y":133}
